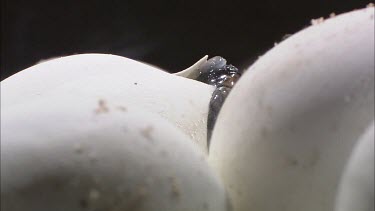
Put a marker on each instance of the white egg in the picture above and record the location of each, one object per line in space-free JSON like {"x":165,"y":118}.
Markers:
{"x":58,"y":155}
{"x":284,"y":134}
{"x":356,"y":190}
{"x":124,"y":82}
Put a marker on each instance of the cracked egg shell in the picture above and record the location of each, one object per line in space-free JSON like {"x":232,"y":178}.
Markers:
{"x":284,"y":134}
{"x":92,"y":155}
{"x":181,"y":101}
{"x":356,"y":190}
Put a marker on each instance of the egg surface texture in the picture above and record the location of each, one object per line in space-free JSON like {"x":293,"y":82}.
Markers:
{"x":289,"y":125}
{"x":94,"y":155}
{"x":356,"y":190}
{"x":181,"y":101}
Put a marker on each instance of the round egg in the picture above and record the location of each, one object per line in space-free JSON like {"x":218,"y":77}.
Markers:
{"x":91,"y":154}
{"x":356,"y":190}
{"x":287,"y":128}
{"x":181,"y":101}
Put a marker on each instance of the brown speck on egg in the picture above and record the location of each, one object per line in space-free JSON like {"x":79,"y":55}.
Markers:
{"x":102,"y":107}
{"x":146,"y":132}
{"x":291,"y":161}
{"x":122,"y":108}
{"x":175,"y":190}
{"x":317,"y":21}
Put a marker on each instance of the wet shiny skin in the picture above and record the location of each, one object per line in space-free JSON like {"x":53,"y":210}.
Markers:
{"x":216,"y":72}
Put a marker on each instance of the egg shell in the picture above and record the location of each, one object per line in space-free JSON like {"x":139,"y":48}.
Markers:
{"x":57,"y":156}
{"x":287,"y":128}
{"x":193,"y":71}
{"x":181,"y":101}
{"x":356,"y":190}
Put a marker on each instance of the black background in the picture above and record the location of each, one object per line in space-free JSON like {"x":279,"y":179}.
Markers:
{"x":169,"y":34}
